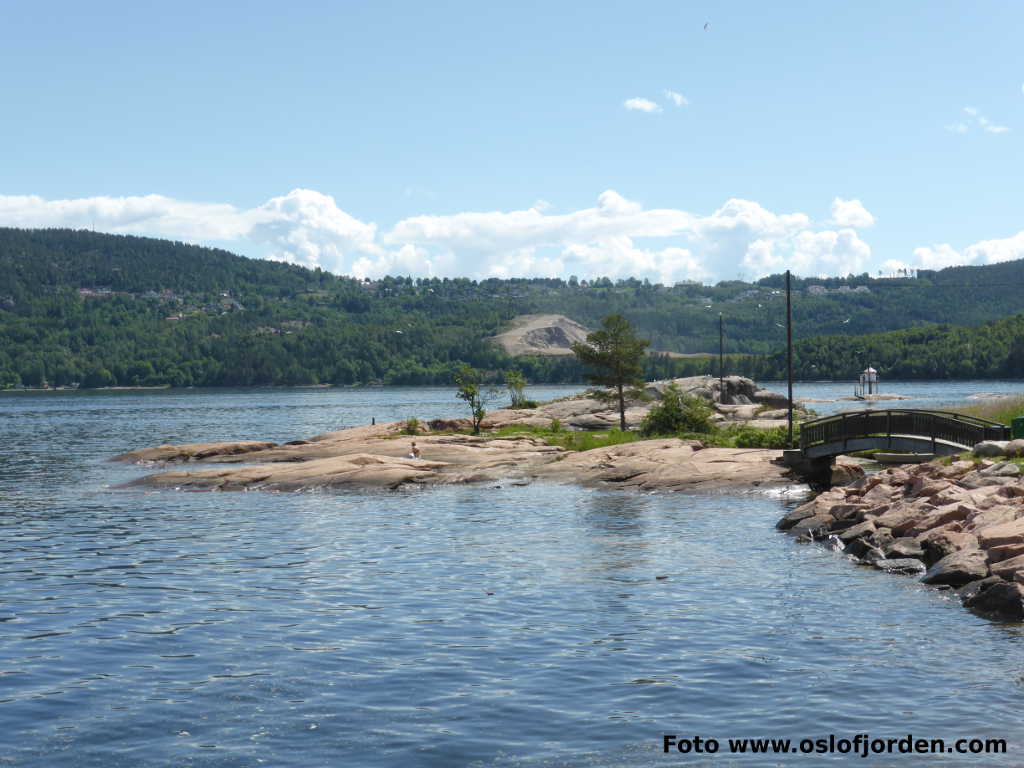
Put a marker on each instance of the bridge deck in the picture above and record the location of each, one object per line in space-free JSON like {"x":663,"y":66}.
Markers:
{"x":901,"y":429}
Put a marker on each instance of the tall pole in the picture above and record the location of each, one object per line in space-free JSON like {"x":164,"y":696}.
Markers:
{"x":721,"y":360}
{"x":789,"y":357}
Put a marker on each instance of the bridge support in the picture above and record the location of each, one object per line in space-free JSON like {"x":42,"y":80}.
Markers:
{"x":817,"y":473}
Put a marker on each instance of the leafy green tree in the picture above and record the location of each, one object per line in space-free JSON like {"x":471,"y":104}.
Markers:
{"x":616,"y":355}
{"x":515,"y":383}
{"x":472,"y":390}
{"x":676,"y":413}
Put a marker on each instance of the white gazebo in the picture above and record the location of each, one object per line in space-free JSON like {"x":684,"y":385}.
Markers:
{"x":868,"y":384}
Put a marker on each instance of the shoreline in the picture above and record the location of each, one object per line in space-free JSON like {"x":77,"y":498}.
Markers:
{"x":955,"y":525}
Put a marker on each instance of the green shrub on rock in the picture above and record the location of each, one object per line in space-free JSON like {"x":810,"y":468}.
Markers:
{"x":676,"y":413}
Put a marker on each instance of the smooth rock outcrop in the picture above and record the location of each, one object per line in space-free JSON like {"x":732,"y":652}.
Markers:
{"x":379,"y":457}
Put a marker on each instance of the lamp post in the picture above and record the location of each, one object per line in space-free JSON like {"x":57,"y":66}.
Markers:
{"x":721,"y":360}
{"x":789,"y":358}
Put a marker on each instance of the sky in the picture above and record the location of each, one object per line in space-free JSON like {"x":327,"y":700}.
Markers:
{"x":663,"y":140}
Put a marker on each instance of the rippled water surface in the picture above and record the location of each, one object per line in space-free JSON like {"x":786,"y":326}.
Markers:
{"x":539,"y":625}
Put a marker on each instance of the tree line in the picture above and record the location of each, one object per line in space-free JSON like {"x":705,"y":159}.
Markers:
{"x":93,"y":309}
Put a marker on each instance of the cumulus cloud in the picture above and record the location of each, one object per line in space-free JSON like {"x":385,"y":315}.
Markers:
{"x":851,"y":213}
{"x":676,"y":98}
{"x":975,"y":120}
{"x":152,"y":214}
{"x":616,"y":237}
{"x":601,"y":241}
{"x":308,"y":228}
{"x":983,"y":252}
{"x":304,"y":226}
{"x":638,"y":104}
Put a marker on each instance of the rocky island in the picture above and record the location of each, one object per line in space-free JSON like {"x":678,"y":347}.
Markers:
{"x":378,"y":456}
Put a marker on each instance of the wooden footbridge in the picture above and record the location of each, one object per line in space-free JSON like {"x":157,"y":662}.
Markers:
{"x":898,"y":429}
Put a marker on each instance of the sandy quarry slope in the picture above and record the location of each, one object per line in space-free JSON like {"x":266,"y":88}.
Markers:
{"x":541,"y":335}
{"x":550,"y":335}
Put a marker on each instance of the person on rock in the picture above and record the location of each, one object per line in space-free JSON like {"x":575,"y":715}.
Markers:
{"x":414,"y":452}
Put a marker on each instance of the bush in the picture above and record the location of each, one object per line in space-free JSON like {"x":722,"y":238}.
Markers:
{"x":556,"y":425}
{"x":676,"y":413}
{"x":746,"y":436}
{"x":412,"y":426}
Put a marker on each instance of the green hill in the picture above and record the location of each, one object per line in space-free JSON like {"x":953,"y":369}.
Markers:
{"x":99,"y":309}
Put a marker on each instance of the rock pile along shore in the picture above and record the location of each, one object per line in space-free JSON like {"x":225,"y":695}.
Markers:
{"x":957,"y":526}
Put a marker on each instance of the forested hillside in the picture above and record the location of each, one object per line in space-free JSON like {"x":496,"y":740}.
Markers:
{"x":99,"y":310}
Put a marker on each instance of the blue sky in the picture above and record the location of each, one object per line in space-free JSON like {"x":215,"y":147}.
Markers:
{"x":458,"y":138}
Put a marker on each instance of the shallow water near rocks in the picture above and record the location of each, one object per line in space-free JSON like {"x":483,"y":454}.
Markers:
{"x":455,"y":626}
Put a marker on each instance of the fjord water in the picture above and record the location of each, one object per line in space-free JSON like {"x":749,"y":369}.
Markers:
{"x":454,"y":626}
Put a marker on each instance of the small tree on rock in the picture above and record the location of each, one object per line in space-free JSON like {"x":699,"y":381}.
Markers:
{"x":472,"y":390}
{"x":616,"y":355}
{"x":515,"y":383}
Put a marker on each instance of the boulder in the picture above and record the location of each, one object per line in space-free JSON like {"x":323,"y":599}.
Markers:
{"x":951,"y":494}
{"x":958,"y":568}
{"x":1014,"y":448}
{"x":974,"y":588}
{"x":936,"y":518}
{"x":810,"y":509}
{"x":939,"y":544}
{"x":991,"y":448}
{"x":976,"y":480}
{"x":993,"y":516}
{"x":907,"y":565}
{"x":1007,"y":569}
{"x":858,"y":531}
{"x":1006,"y":533}
{"x":848,"y":511}
{"x":1003,"y":601}
{"x":1001,"y":469}
{"x":881,"y":494}
{"x":904,"y":547}
{"x":899,"y":517}
{"x":813,"y":527}
{"x":928,"y":486}
{"x":1004,"y":552}
{"x":846,"y":471}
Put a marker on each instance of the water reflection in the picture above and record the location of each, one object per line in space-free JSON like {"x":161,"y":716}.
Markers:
{"x":443,"y":627}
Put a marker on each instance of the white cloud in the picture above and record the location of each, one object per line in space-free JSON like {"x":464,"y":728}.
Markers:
{"x":983,"y":252}
{"x":829,"y":252}
{"x":938,"y":256}
{"x":676,"y":98}
{"x":616,"y":237}
{"x":601,"y":241}
{"x":641,"y":105}
{"x":851,"y":213}
{"x":304,"y":226}
{"x":307,"y":227}
{"x":975,"y":120}
{"x":995,"y":251}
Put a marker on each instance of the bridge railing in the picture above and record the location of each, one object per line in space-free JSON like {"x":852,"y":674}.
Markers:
{"x":938,"y":425}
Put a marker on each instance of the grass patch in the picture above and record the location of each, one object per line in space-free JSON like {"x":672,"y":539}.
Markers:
{"x":1003,"y":410}
{"x":571,"y":441}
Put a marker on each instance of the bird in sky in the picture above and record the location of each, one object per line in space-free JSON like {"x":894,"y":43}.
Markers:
{"x":707,"y":25}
